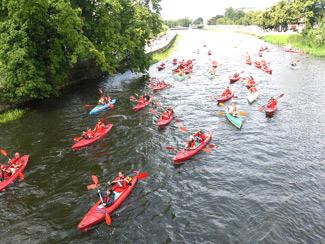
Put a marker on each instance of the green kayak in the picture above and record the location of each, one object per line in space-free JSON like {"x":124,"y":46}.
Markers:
{"x":236,"y":121}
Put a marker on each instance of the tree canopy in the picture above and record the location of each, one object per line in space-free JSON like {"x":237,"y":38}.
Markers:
{"x":41,"y":40}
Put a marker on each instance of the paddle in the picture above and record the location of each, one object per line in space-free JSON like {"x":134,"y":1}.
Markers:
{"x":4,"y":152}
{"x":241,"y":113}
{"x":261,"y":108}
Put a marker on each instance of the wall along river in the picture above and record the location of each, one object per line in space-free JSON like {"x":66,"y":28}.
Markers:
{"x":264,"y":183}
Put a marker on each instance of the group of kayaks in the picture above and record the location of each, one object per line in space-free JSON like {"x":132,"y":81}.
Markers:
{"x":97,"y":214}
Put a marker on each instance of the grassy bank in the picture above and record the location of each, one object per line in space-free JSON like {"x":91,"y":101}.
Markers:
{"x":296,"y":41}
{"x":156,"y":57}
{"x":11,"y":115}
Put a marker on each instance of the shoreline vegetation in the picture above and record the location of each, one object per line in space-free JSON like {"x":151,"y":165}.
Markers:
{"x":296,"y":41}
{"x":161,"y":55}
{"x":41,"y":42}
{"x":12,"y":115}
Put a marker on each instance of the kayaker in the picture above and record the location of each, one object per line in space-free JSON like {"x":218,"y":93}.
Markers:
{"x":252,"y":89}
{"x":226,"y":92}
{"x":271,"y":101}
{"x":166,"y":115}
{"x":108,"y":197}
{"x":121,"y":182}
{"x":191,"y":143}
{"x":14,"y":164}
{"x":232,"y":109}
{"x":293,"y":63}
{"x":146,"y":97}
{"x":199,"y":136}
{"x":99,"y":127}
{"x":88,"y":134}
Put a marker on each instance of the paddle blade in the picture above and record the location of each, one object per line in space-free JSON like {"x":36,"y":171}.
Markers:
{"x":212,"y":145}
{"x":221,"y":104}
{"x":92,"y":187}
{"x":21,"y":176}
{"x":108,"y":219}
{"x":183,"y":129}
{"x":4,"y":152}
{"x":260,"y":108}
{"x":280,"y":96}
{"x":170,"y":148}
{"x":207,"y":150}
{"x":76,"y":139}
{"x":143,"y":176}
{"x":242,"y":113}
{"x":95,"y":179}
{"x":154,"y":112}
{"x":222,"y":113}
{"x":111,"y":106}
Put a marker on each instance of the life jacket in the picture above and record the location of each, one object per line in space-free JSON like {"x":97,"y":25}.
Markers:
{"x":99,"y":127}
{"x":121,"y":184}
{"x":13,"y":161}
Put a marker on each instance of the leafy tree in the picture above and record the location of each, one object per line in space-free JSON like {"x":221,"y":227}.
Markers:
{"x":198,"y":21}
{"x":41,"y":40}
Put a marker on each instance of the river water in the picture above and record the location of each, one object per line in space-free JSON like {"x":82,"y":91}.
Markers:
{"x":264,"y":183}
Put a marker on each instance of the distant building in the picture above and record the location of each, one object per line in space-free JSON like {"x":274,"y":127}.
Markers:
{"x":298,"y":27}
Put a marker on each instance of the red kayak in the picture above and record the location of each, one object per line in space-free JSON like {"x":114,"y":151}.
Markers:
{"x":270,"y":109}
{"x":174,"y":61}
{"x":161,"y":66}
{"x":222,"y":99}
{"x":257,"y":64}
{"x":292,"y":50}
{"x":164,"y":122}
{"x":160,"y":87}
{"x":4,"y":184}
{"x":184,"y":154}
{"x":96,"y":215}
{"x":85,"y":142}
{"x":140,"y":106}
{"x":260,"y":54}
{"x":267,"y":70}
{"x":234,"y":79}
{"x":209,"y":53}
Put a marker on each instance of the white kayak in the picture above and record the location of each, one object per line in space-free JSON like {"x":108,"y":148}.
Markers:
{"x":293,"y":67}
{"x":252,"y":96}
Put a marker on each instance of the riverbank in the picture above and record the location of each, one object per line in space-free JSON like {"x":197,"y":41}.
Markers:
{"x":296,"y":41}
{"x":166,"y":52}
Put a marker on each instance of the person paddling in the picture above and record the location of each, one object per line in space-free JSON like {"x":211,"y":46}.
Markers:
{"x":121,"y":182}
{"x":99,"y":127}
{"x":226,"y":92}
{"x":107,"y":197}
{"x":14,"y":164}
{"x":233,"y":109}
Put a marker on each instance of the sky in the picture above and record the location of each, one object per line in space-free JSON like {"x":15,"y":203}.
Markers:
{"x":175,"y":9}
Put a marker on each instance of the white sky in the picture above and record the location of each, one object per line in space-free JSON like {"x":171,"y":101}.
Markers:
{"x":175,"y":9}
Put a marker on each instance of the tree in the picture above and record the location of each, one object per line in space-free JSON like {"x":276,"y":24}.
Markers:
{"x":41,"y":40}
{"x":198,"y":21}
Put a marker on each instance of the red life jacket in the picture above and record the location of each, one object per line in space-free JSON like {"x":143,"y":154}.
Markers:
{"x":121,"y":185}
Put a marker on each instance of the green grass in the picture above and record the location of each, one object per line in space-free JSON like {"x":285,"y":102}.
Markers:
{"x":156,"y":57}
{"x":11,"y":115}
{"x":297,"y":41}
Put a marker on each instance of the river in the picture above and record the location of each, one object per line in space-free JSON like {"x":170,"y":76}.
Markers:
{"x":264,"y":183}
